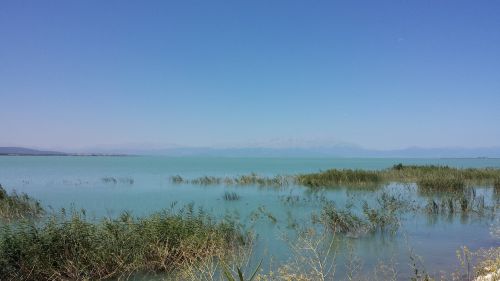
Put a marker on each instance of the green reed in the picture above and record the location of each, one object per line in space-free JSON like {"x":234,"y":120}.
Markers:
{"x":428,"y":177}
{"x":231,"y":196}
{"x":72,"y":247}
{"x":335,"y":177}
{"x":17,"y":206}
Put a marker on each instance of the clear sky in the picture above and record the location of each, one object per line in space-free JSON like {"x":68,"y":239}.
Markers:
{"x":380,"y":74}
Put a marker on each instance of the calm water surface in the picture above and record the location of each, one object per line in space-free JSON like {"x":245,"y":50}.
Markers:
{"x":63,"y":182}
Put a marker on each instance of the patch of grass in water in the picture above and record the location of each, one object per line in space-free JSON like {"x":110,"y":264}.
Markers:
{"x":109,"y":180}
{"x":464,"y":202}
{"x":381,"y":218}
{"x":231,"y":196}
{"x":336,"y":177}
{"x":341,"y":221}
{"x":429,"y":178}
{"x":414,"y":173}
{"x":113,"y":180}
{"x":427,"y":175}
{"x":15,"y":206}
{"x":431,"y":185}
{"x":496,"y":188}
{"x":250,"y":179}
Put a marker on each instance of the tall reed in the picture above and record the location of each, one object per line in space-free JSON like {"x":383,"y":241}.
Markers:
{"x":15,"y":206}
{"x":75,"y":248}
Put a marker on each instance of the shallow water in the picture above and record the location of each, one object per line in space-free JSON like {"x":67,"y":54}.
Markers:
{"x":64,"y":182}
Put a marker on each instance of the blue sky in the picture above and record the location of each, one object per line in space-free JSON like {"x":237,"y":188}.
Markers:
{"x":380,"y":74}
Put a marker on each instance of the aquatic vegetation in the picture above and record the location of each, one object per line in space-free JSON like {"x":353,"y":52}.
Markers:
{"x":427,"y":176}
{"x":17,"y":206}
{"x":74,"y":248}
{"x":414,"y":173}
{"x":429,"y":185}
{"x":206,"y":180}
{"x":335,"y":177}
{"x":112,"y":180}
{"x":383,"y":217}
{"x":231,"y":196}
{"x":177,"y":179}
{"x":126,"y":180}
{"x":464,"y":202}
{"x":250,"y":179}
{"x":341,"y":221}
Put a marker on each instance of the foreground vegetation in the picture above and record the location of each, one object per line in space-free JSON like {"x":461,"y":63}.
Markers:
{"x":74,"y":248}
{"x":16,"y":206}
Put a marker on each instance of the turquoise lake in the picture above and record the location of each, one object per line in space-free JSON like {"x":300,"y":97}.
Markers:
{"x":144,"y":186}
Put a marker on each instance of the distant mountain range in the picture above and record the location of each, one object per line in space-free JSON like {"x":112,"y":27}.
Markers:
{"x":28,"y":151}
{"x":22,"y":151}
{"x":333,"y":151}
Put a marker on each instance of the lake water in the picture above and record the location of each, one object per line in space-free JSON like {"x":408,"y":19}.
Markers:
{"x":65,"y":182}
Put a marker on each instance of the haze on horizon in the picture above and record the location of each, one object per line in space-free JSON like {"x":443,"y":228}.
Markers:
{"x":379,"y":74}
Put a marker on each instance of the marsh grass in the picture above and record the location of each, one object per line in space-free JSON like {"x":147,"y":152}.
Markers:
{"x":496,"y":188}
{"x":109,"y":180}
{"x":459,"y":202}
{"x":16,"y":206}
{"x":335,"y":177}
{"x":342,"y":221}
{"x":113,"y":180}
{"x":432,"y":185}
{"x":383,"y":217}
{"x":250,"y":179}
{"x":76,"y":248}
{"x":429,"y":177}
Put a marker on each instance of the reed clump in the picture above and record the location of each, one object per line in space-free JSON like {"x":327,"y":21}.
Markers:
{"x":250,"y":179}
{"x":336,"y":177}
{"x":113,"y":180}
{"x":75,"y":248}
{"x":231,"y":196}
{"x":109,"y":180}
{"x":414,"y":173}
{"x":426,"y":176}
{"x":429,"y":185}
{"x":383,"y":217}
{"x":341,"y":221}
{"x":496,"y":184}
{"x":464,"y":202}
{"x":18,"y":206}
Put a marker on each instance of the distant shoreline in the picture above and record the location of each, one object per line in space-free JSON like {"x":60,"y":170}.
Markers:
{"x":81,"y":155}
{"x":225,"y":156}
